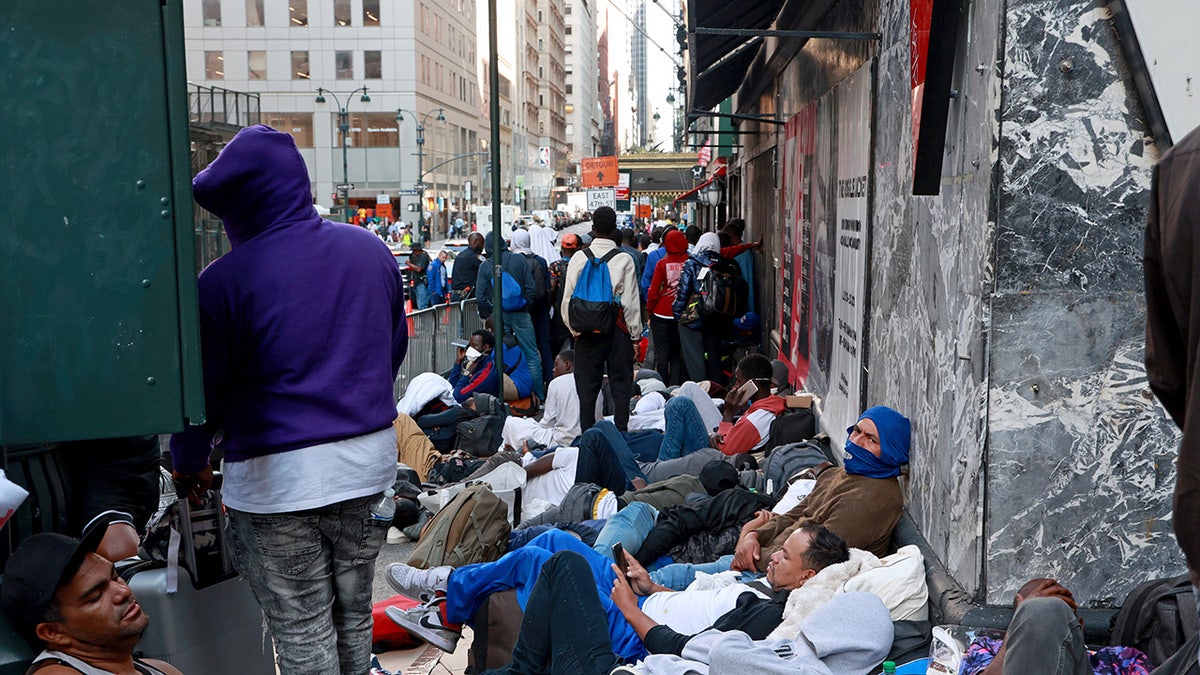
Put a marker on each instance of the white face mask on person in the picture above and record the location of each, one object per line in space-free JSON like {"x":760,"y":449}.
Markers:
{"x":473,"y":354}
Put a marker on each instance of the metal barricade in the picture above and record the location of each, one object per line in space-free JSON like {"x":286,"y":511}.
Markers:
{"x":430,"y":332}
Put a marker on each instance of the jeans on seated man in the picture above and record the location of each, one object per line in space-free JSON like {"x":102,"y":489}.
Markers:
{"x":67,"y":599}
{"x":660,"y":621}
{"x":1046,"y":636}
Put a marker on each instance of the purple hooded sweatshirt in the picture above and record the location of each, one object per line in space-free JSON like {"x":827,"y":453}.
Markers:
{"x":302,"y":323}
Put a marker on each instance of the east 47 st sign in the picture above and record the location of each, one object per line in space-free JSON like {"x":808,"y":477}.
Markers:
{"x":597,"y":197}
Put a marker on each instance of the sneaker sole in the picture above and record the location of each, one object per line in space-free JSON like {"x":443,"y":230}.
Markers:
{"x":434,"y":636}
{"x":423,"y":596}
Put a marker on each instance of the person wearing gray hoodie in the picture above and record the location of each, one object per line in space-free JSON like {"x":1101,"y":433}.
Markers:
{"x":851,"y":635}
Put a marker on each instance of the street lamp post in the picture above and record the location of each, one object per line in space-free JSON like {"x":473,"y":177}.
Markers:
{"x":344,"y":127}
{"x":441,"y":117}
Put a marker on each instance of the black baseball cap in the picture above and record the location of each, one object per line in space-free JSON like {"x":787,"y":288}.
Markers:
{"x":37,"y":569}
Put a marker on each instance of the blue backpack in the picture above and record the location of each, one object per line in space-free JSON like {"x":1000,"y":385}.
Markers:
{"x":512,"y":296}
{"x":593,"y":308}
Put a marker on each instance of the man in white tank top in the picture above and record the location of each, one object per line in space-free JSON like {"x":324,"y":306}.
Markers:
{"x":64,"y":597}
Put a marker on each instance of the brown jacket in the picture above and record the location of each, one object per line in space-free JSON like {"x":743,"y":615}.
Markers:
{"x":1173,"y":321}
{"x":861,"y":510}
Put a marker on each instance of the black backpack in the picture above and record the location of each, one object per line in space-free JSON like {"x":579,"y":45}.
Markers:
{"x":791,"y":426}
{"x":480,"y":436}
{"x":1158,"y":617}
{"x":723,"y":291}
{"x":541,"y":284}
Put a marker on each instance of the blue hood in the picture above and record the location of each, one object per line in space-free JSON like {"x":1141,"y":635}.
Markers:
{"x":259,"y":181}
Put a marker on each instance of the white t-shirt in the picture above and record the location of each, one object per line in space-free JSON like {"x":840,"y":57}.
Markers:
{"x":553,"y":485}
{"x":689,"y":612}
{"x":312,"y":477}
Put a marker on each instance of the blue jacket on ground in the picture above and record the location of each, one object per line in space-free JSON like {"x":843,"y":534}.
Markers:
{"x":302,"y":325}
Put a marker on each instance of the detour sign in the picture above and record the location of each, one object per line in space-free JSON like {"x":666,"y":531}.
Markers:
{"x":599,"y":171}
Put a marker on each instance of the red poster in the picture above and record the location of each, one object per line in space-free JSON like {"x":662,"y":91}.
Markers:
{"x":795,"y":315}
{"x":920,"y":14}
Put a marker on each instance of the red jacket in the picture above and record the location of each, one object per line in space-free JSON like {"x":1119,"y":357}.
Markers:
{"x":752,"y":428}
{"x":666,"y":275}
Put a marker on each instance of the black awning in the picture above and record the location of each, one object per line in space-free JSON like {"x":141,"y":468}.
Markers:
{"x":706,"y":50}
{"x":661,"y":180}
{"x":720,"y":81}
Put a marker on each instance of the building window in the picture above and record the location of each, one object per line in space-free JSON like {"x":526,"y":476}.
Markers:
{"x":372,"y":130}
{"x":256,"y":65}
{"x":254,"y":12}
{"x":214,"y":65}
{"x":569,"y":88}
{"x":373,"y":64}
{"x":298,"y":10}
{"x":370,"y":12}
{"x":344,"y":65}
{"x":568,"y":30}
{"x":299,"y":125}
{"x":341,"y":12}
{"x":300,"y":66}
{"x":212,"y":12}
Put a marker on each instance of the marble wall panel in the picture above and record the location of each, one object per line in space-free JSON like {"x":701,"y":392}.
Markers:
{"x":1080,"y":464}
{"x":930,"y":283}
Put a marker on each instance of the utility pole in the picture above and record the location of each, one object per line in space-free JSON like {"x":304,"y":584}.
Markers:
{"x":441,"y":117}
{"x":344,"y":127}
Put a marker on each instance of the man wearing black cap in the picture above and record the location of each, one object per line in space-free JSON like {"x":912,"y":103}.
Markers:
{"x":63,"y":596}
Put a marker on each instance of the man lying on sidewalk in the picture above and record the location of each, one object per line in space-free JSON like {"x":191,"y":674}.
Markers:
{"x":452,"y":596}
{"x":61,"y":595}
{"x":564,"y":631}
{"x":686,"y":429}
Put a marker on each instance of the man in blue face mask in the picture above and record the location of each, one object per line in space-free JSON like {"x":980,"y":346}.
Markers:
{"x":860,"y":503}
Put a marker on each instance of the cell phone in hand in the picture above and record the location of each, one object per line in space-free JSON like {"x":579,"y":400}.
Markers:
{"x":747,"y":390}
{"x":619,"y":558}
{"x":744,"y":392}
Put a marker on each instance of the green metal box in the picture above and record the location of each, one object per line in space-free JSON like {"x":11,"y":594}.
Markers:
{"x":98,"y":323}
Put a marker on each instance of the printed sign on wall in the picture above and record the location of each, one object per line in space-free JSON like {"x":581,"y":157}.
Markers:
{"x":844,"y":401}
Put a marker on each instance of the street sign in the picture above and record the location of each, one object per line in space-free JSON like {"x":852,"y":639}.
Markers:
{"x":408,"y":192}
{"x":467,"y":190}
{"x":597,"y":197}
{"x":622,"y":191}
{"x":598,"y":171}
{"x":345,"y":186}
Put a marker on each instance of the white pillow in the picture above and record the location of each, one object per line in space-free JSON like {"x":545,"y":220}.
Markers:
{"x":899,"y":582}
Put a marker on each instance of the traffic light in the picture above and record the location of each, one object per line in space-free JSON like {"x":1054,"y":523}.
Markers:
{"x":412,"y":207}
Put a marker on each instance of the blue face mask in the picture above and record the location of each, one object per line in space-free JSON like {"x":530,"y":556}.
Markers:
{"x":860,"y":462}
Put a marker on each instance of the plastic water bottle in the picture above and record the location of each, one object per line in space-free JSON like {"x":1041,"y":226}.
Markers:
{"x":385,"y":509}
{"x":889,"y":667}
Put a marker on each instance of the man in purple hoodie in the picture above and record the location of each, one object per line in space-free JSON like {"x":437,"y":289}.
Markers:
{"x":302,"y":329}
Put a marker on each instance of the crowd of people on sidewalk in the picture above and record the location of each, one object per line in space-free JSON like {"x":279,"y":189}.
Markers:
{"x":681,"y":512}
